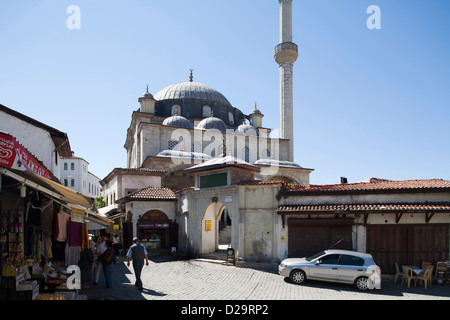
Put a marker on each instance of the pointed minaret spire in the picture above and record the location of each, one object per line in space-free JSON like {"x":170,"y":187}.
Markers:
{"x":286,"y":54}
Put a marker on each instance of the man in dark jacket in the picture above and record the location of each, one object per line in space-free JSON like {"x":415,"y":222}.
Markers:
{"x":137,"y":253}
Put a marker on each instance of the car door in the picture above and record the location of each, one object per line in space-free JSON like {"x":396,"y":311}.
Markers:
{"x":325,"y":268}
{"x":349,"y":268}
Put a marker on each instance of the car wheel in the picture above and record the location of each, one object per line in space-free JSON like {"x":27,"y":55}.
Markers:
{"x":362,"y":283}
{"x":297,"y":276}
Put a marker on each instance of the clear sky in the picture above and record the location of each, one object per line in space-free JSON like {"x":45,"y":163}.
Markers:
{"x":367,"y":103}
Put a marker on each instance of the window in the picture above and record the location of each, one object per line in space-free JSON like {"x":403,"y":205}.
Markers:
{"x":197,"y":147}
{"x":172,"y":144}
{"x":348,"y":260}
{"x":65,"y":166}
{"x":72,"y":182}
{"x":265,"y":154}
{"x":231,"y":118}
{"x":213,"y":180}
{"x":66,"y":183}
{"x":246,"y":154}
{"x":329,"y":259}
{"x":72,"y":166}
{"x":176,"y":110}
{"x":206,"y":111}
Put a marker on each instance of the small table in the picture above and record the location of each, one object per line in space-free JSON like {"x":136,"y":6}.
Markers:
{"x":416,"y":270}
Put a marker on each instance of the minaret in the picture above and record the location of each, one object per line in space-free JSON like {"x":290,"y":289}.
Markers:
{"x":286,"y":54}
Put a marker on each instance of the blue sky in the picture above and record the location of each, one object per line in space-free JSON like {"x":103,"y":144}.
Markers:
{"x":367,"y":103}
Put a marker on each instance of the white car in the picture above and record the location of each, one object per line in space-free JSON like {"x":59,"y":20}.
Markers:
{"x":341,"y":266}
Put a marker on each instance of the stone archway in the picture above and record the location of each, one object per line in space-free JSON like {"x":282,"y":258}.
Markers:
{"x":210,"y":227}
{"x":155,"y":215}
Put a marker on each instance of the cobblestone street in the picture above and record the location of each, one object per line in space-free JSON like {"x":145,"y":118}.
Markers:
{"x":201,"y":280}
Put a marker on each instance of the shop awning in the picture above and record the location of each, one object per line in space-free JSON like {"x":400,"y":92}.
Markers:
{"x":52,"y":188}
{"x":96,"y":222}
{"x":66,"y":196}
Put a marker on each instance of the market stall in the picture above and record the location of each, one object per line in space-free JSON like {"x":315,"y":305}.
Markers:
{"x":43,"y":229}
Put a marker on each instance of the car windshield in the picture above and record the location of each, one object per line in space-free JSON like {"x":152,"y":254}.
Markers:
{"x":315,"y":256}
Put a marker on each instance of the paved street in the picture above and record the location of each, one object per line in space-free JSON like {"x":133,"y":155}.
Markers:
{"x":200,"y":280}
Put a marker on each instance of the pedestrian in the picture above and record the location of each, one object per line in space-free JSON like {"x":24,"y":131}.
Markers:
{"x":86,"y":262}
{"x":98,"y":264}
{"x":116,"y":244}
{"x":137,"y":253}
{"x":106,"y":259}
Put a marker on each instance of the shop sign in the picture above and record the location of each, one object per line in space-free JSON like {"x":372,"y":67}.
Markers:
{"x":13,"y":155}
{"x":77,"y":216}
{"x":153,"y":225}
{"x":207,"y":225}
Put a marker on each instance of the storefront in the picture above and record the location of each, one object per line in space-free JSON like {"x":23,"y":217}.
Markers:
{"x":157,"y":232}
{"x":43,"y":228}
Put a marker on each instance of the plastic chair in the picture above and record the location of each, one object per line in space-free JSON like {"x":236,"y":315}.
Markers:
{"x":408,"y":275}
{"x":397,"y":273}
{"x":425,"y":277}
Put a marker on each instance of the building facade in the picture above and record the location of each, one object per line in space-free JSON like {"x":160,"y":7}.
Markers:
{"x":75,"y":175}
{"x":47,"y":144}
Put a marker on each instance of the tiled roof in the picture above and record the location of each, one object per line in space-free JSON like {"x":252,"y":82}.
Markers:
{"x":150,"y":193}
{"x":258,"y":182}
{"x":381,"y":207}
{"x":375,"y":184}
{"x":132,"y":171}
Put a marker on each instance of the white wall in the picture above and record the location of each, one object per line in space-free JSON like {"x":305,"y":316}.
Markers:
{"x":36,"y":140}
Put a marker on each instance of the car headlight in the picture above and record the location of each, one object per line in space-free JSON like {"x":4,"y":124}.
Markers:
{"x":282,"y":265}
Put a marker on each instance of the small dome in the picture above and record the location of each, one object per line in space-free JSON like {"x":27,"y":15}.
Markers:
{"x":177,"y":121}
{"x":255,"y":111}
{"x":247,"y":130}
{"x":212,"y":123}
{"x":146,"y":95}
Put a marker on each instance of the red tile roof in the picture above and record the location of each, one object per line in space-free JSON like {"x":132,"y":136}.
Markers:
{"x":375,"y":184}
{"x":354,"y":208}
{"x":149,"y":193}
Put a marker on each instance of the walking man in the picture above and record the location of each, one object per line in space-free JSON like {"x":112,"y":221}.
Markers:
{"x":137,"y":253}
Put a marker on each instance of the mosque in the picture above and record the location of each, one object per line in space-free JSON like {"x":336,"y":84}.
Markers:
{"x":201,"y":174}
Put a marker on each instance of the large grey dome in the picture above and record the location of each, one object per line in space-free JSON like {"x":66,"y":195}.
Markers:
{"x":178,"y":121}
{"x":191,"y":90}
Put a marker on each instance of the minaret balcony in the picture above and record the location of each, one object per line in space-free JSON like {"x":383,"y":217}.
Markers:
{"x":286,"y":52}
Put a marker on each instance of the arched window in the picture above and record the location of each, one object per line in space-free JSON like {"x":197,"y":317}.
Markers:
{"x":206,"y":111}
{"x":231,"y":118}
{"x":246,"y":154}
{"x":172,"y":144}
{"x":176,"y":109}
{"x":265,"y":154}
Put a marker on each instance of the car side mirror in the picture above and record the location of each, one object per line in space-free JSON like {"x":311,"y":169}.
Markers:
{"x":317,"y":262}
